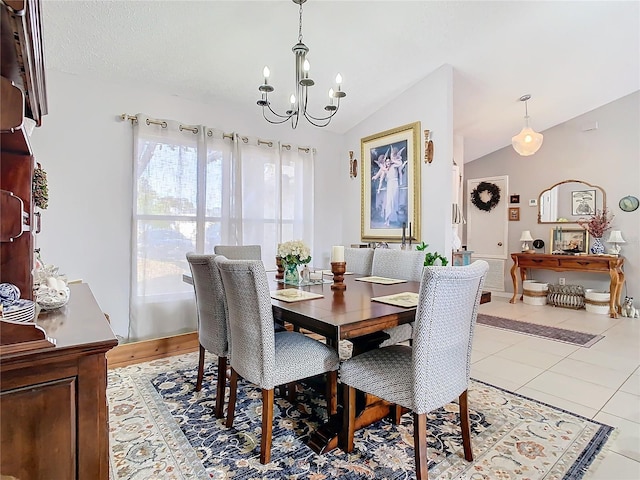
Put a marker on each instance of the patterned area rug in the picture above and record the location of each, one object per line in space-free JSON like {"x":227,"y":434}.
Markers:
{"x":160,"y":428}
{"x":573,"y":337}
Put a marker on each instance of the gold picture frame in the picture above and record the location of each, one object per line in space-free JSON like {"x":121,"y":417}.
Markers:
{"x":391,"y":156}
{"x":569,"y":240}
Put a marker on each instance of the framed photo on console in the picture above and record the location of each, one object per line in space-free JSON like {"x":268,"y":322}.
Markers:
{"x":390,"y":188}
{"x":569,"y":240}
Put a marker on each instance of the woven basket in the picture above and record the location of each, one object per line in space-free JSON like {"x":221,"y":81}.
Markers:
{"x":566,"y":296}
{"x":596,"y":302}
{"x":534,"y":293}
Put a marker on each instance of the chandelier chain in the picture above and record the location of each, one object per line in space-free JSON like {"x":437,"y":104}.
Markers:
{"x":300,"y":25}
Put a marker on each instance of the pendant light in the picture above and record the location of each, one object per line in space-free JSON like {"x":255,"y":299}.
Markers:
{"x":528,"y":141}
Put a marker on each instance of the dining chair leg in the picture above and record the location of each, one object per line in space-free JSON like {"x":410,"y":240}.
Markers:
{"x":420,"y":445}
{"x":267,"y":425}
{"x":200,"y":369}
{"x":332,"y":392}
{"x":396,"y":414}
{"x":465,"y":426}
{"x":220,"y":386}
{"x":291,"y":392}
{"x":233,"y":391}
{"x":348,"y":417}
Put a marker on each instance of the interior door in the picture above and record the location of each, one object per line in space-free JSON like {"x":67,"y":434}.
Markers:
{"x":487,"y":231}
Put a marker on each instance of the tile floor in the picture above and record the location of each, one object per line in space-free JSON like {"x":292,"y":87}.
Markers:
{"x":601,"y":382}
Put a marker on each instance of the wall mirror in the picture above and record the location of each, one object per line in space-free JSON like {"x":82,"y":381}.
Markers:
{"x":570,"y":200}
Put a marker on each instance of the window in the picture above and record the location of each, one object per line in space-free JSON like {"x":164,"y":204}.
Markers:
{"x":193,"y":191}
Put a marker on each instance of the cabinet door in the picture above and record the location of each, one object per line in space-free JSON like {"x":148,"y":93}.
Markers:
{"x":38,"y":431}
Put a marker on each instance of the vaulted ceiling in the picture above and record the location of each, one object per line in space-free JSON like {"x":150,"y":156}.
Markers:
{"x":570,"y":56}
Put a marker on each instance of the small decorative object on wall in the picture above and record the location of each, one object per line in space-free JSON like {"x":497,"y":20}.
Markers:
{"x":40,"y":188}
{"x":353,"y":165}
{"x":583,"y":202}
{"x":569,"y":240}
{"x":628,"y":203}
{"x":533,"y":202}
{"x":486,"y":196}
{"x":390,"y":179}
{"x":514,"y":214}
{"x":428,"y":147}
{"x":514,"y":198}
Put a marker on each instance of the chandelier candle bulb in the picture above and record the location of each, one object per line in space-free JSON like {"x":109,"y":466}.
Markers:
{"x":337,"y":254}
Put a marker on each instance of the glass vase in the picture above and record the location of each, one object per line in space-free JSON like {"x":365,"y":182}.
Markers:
{"x":291,"y":275}
{"x":597,"y":247}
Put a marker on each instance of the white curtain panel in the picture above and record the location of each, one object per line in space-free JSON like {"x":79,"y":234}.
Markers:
{"x":194,"y":188}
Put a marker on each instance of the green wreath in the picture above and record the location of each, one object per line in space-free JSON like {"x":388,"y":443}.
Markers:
{"x":494,"y":196}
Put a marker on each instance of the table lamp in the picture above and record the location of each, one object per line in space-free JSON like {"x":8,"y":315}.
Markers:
{"x":525,"y":238}
{"x":456,"y":219}
{"x":616,"y":238}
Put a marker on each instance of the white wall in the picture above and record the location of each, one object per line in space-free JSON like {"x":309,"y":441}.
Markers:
{"x":608,"y":156}
{"x":429,"y":102}
{"x":86,"y":151}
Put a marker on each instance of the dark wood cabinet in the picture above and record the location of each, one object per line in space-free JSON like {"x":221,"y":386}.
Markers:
{"x":53,"y":408}
{"x":22,"y":96}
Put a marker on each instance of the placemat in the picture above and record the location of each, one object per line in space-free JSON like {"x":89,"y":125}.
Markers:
{"x":381,"y":280}
{"x":294,"y":295}
{"x":403,"y":299}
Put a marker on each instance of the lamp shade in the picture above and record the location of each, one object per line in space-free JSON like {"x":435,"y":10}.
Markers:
{"x":615,"y":237}
{"x":527,"y":142}
{"x":526,"y":236}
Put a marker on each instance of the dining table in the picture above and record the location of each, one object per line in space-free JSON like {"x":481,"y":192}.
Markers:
{"x":346,"y":314}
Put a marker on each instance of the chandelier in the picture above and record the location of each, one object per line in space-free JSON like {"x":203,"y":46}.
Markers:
{"x":528,"y":141}
{"x":298,"y":100}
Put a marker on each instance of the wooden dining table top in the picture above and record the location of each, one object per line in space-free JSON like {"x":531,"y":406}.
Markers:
{"x":344,"y":314}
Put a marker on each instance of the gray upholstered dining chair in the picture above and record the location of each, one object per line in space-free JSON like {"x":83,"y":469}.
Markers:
{"x":359,"y":260}
{"x":435,"y":369}
{"x":403,"y":265}
{"x":239,"y":252}
{"x":262,"y":356}
{"x":212,"y":320}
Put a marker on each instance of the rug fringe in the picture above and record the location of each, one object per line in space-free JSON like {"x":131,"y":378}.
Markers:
{"x":601,"y":455}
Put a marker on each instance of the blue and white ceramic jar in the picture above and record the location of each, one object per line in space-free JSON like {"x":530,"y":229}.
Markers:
{"x":9,"y":294}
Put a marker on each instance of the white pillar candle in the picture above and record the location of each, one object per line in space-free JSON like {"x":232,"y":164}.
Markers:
{"x":337,"y":254}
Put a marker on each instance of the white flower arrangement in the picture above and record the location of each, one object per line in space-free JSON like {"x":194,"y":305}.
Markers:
{"x":294,"y":252}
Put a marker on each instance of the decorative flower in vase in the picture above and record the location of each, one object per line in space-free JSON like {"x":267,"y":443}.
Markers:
{"x":598,"y":223}
{"x":293,"y":253}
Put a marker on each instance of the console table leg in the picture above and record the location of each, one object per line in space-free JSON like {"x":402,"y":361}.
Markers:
{"x":514,"y":278}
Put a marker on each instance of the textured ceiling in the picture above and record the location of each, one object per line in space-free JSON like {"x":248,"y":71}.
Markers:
{"x":571,"y":57}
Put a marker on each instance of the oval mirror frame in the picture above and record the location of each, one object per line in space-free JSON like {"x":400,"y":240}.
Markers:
{"x":565,"y":197}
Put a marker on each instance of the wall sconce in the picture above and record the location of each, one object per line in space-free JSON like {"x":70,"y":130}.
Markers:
{"x":428,"y":147}
{"x":353,"y":165}
{"x":616,"y":238}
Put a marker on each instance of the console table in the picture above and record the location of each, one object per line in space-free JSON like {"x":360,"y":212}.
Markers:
{"x":611,"y":265}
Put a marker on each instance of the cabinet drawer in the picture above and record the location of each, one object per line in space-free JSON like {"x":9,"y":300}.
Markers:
{"x":527,"y":262}
{"x":577,"y":263}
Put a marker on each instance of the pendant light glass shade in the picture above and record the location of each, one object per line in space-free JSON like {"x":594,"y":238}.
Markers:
{"x":528,"y":141}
